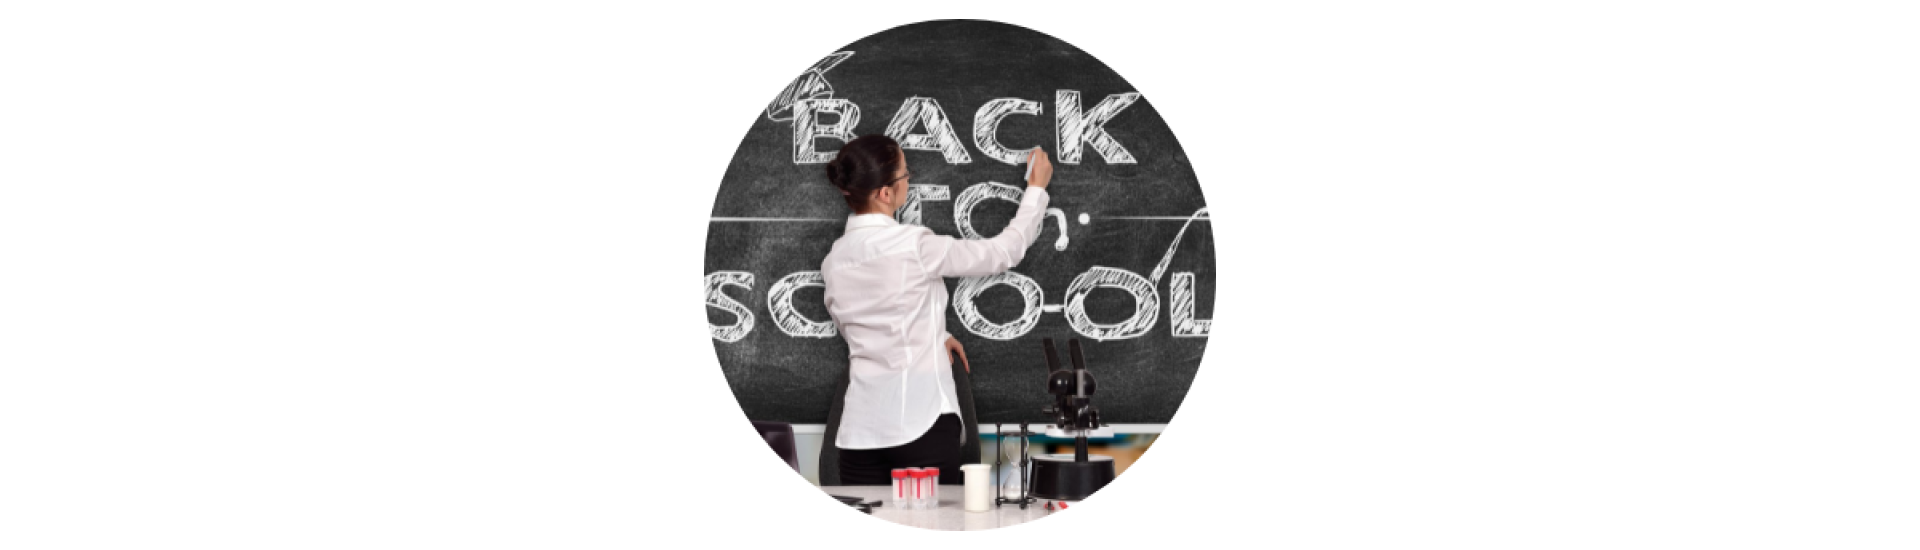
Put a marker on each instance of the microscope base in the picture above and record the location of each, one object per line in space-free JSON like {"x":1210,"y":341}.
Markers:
{"x":1058,"y":477}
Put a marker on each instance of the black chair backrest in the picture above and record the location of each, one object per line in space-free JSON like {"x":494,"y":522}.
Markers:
{"x":779,"y":435}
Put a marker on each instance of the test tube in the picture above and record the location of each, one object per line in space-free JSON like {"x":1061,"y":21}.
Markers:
{"x":933,"y":488}
{"x":919,"y":490}
{"x":900,"y":489}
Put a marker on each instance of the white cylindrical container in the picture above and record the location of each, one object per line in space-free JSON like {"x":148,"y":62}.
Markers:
{"x":979,"y":489}
{"x":902,"y":488}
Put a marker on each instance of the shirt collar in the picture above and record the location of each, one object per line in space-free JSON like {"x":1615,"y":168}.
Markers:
{"x":863,"y":221}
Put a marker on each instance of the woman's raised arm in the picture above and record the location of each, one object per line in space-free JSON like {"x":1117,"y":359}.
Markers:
{"x":950,"y":257}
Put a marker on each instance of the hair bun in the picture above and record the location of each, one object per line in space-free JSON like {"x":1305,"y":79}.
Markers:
{"x":836,"y":174}
{"x":863,"y":165}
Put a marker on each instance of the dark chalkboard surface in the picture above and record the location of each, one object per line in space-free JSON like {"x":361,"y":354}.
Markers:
{"x":1137,"y":236}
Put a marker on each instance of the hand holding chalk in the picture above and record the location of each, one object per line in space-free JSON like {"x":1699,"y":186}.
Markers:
{"x":1039,"y":169}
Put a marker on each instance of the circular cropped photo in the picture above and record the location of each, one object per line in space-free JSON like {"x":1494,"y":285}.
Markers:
{"x":959,"y":275}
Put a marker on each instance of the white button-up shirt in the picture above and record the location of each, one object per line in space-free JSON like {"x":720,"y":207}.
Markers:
{"x":885,"y":293}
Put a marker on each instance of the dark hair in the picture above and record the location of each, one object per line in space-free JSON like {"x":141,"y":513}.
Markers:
{"x":864,"y":165}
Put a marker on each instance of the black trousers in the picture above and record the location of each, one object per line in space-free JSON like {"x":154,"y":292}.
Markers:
{"x":938,"y":448}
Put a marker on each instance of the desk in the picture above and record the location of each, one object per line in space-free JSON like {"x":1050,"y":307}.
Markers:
{"x":952,"y":514}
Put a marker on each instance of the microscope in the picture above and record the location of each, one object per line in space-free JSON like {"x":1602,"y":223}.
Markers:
{"x":1074,"y":476}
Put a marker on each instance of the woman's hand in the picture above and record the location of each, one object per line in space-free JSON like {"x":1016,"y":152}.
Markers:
{"x":954,"y":347}
{"x":1042,"y":169}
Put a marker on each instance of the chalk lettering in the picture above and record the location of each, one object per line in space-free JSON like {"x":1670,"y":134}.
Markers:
{"x":986,"y":125}
{"x":807,"y":127}
{"x":742,"y":317}
{"x":790,"y":321}
{"x":974,"y":195}
{"x":970,"y":317}
{"x":909,"y":213}
{"x":1071,"y":127}
{"x":1181,"y":309}
{"x":1060,"y":216}
{"x":1146,"y":303}
{"x":939,"y":137}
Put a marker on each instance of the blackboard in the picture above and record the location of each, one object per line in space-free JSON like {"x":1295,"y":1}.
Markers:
{"x":1128,"y":199}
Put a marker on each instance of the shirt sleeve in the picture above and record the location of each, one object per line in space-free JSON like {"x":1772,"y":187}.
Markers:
{"x":950,"y":257}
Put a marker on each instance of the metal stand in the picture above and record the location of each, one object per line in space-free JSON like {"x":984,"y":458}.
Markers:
{"x":999,"y":457}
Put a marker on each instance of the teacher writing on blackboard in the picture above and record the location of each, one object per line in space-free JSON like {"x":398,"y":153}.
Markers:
{"x":885,"y":294}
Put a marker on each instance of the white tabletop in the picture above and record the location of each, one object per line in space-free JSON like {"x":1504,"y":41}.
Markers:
{"x":951,"y":515}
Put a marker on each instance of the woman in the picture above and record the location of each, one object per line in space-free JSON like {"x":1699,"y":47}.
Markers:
{"x":885,"y":294}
